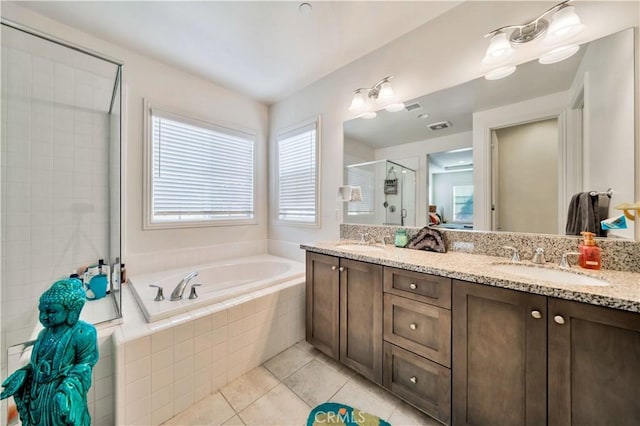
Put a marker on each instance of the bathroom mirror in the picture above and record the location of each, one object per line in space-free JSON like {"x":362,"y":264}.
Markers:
{"x":572,"y":91}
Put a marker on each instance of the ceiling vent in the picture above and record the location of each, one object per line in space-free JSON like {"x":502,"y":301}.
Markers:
{"x":412,"y":107}
{"x":439,"y":126}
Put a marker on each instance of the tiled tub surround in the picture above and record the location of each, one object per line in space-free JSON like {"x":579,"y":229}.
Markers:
{"x":622,"y":293}
{"x":619,"y":255}
{"x":163,"y":368}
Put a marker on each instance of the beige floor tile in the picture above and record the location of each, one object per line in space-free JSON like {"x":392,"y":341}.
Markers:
{"x":213,"y":410}
{"x":307,"y":347}
{"x":406,"y":415}
{"x":249,"y":387}
{"x":288,"y":362}
{"x":335,"y":364}
{"x":280,"y":406}
{"x":234,"y":421}
{"x":316,"y":382}
{"x":364,"y":395}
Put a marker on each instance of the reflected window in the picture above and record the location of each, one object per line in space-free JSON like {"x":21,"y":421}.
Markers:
{"x":365,"y":180}
{"x":463,"y":203}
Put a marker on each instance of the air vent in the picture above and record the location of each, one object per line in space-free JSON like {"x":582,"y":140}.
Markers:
{"x":412,"y":107}
{"x":439,"y":126}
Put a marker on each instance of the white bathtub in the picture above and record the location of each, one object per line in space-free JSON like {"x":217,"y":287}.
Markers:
{"x":220,"y":281}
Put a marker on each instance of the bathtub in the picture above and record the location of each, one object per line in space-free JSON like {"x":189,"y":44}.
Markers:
{"x":219,"y":281}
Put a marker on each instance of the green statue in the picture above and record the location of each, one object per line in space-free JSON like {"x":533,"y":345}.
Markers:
{"x":52,"y":388}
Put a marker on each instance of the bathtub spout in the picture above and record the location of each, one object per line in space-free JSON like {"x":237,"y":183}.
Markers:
{"x":179,"y":290}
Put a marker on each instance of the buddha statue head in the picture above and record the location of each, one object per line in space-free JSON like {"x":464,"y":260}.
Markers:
{"x":62,"y":303}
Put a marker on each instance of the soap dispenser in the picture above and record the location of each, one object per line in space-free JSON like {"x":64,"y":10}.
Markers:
{"x":589,"y":252}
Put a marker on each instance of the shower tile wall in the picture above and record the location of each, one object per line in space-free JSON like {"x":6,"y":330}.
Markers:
{"x":55,"y":136}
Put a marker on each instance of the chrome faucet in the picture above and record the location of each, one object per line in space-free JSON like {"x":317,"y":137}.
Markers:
{"x":538,"y":256}
{"x":564,"y":262}
{"x":515,"y":257}
{"x":179,"y":290}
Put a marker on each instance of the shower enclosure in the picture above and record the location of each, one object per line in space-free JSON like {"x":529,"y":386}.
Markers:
{"x":60,"y":174}
{"x":388,"y":193}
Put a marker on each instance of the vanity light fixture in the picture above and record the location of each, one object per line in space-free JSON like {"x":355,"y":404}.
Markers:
{"x":380,"y":95}
{"x":564,"y":25}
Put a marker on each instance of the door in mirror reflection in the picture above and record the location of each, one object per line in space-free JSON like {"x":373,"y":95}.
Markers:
{"x":525,"y":177}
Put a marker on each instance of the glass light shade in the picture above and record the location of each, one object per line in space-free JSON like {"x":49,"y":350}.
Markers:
{"x":368,"y":115}
{"x":358,"y":102}
{"x":559,"y":54}
{"x":386,"y":92}
{"x":499,"y":49}
{"x":501,"y":72}
{"x":395,"y":107}
{"x":565,"y":24}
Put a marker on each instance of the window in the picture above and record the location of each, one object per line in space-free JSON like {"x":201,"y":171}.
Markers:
{"x":463,"y":203}
{"x":365,"y":180}
{"x":199,"y":174}
{"x":297,"y":155}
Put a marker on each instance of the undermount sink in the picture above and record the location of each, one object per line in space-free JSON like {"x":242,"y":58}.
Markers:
{"x":359,"y":247}
{"x":546,"y":274}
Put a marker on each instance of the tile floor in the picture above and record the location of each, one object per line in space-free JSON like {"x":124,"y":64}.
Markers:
{"x":283,"y":390}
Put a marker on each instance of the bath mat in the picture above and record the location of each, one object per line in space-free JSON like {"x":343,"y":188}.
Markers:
{"x":335,"y":414}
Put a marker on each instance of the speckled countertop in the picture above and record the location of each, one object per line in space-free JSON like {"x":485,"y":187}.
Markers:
{"x":623,"y":291}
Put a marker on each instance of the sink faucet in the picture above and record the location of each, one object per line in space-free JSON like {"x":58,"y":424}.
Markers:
{"x":179,"y":290}
{"x":538,"y":256}
{"x":564,"y":262}
{"x":515,"y":257}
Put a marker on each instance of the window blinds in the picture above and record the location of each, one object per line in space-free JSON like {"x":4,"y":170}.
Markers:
{"x":297,"y":174}
{"x":200,"y":173}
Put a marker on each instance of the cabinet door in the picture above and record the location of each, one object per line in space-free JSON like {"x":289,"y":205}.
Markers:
{"x":594,"y":365}
{"x":361,"y":318}
{"x":499,"y":356}
{"x":323,"y":296}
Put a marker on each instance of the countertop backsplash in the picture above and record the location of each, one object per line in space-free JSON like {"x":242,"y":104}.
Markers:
{"x":619,"y":255}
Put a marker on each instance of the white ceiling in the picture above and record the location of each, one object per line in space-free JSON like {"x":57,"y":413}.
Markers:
{"x":267,"y":50}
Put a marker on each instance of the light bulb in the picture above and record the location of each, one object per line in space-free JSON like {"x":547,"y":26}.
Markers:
{"x":499,"y":49}
{"x":501,"y":72}
{"x":559,"y":54}
{"x":357,"y":104}
{"x":565,"y":24}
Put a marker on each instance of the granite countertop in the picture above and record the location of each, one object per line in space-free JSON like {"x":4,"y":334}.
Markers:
{"x":623,"y":291}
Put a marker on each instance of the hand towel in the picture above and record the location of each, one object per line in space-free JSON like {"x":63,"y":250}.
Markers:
{"x":429,"y":239}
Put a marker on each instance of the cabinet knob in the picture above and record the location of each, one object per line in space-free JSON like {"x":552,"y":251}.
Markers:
{"x":333,"y":268}
{"x":413,"y":326}
{"x":413,"y":286}
{"x":414,"y":380}
{"x":341,"y":269}
{"x":559,"y":319}
{"x":536,"y":314}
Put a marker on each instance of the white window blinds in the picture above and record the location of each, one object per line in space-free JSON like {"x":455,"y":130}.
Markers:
{"x":200,"y":172}
{"x":365,"y":180}
{"x":298,"y":174}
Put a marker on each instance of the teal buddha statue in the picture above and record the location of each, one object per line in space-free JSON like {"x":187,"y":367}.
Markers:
{"x":52,"y":388}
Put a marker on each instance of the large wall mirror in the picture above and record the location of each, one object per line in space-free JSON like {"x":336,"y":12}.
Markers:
{"x":511,"y":152}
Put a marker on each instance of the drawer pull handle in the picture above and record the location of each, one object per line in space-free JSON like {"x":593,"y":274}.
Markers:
{"x":414,"y":380}
{"x":333,"y":268}
{"x":413,"y":326}
{"x":536,"y":314}
{"x":341,"y":269}
{"x":413,"y":286}
{"x":558,"y":319}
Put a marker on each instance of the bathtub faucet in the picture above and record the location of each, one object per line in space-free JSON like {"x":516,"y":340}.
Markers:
{"x":179,"y":290}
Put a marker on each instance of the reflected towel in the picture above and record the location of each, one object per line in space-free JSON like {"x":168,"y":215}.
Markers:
{"x":585,"y":212}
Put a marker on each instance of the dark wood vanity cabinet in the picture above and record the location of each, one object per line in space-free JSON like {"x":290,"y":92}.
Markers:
{"x":521,"y":359}
{"x":594,"y":364}
{"x":344,"y":312}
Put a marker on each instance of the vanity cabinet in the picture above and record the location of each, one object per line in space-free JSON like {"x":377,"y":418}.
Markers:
{"x":521,"y":358}
{"x":344,"y":312}
{"x":417,"y":334}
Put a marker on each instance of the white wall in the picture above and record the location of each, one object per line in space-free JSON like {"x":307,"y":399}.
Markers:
{"x":608,"y":119}
{"x":442,"y":53}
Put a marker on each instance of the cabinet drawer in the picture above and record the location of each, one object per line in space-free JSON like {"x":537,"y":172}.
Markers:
{"x":425,"y":288}
{"x":420,"y":328}
{"x":423,"y":383}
